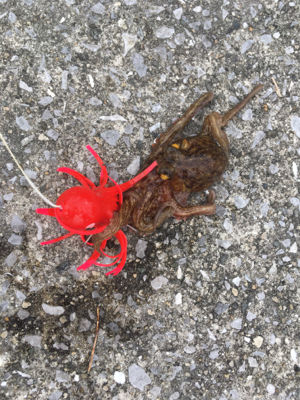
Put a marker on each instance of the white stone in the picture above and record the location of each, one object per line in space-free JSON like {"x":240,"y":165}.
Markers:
{"x":53,"y":310}
{"x":211,"y":335}
{"x":264,"y":208}
{"x":20,"y":296}
{"x":197,"y":9}
{"x":294,"y":248}
{"x":289,"y":50}
{"x":224,"y":243}
{"x":233,"y":130}
{"x":11,"y":259}
{"x":138,"y":378}
{"x":236,"y":281}
{"x":129,"y":42}
{"x":117,"y":103}
{"x":189,"y":349}
{"x":12,"y":17}
{"x":266,"y":39}
{"x":23,"y":314}
{"x":46,"y":100}
{"x":98,"y":8}
{"x":17,"y":224}
{"x":294,"y":355}
{"x":60,"y":346}
{"x":159,"y":282}
{"x":228,"y":225}
{"x":179,"y":272}
{"x":84,"y":325}
{"x":237,"y":323}
{"x":242,"y":367}
{"x":134,"y":166}
{"x":4,"y":305}
{"x":270,"y":388}
{"x":252,"y":362}
{"x":39,"y":235}
{"x":250,"y":316}
{"x":164,"y":32}
{"x":207,"y":25}
{"x":33,"y":340}
{"x":64,"y":80}
{"x":240,"y":202}
{"x":73,"y":69}
{"x":258,"y":341}
{"x":260,"y":296}
{"x":178,"y":299}
{"x":247,"y":116}
{"x":119,"y":377}
{"x":111,"y":137}
{"x":253,"y":12}
{"x":91,"y":174}
{"x":47,"y":115}
{"x":295,"y":124}
{"x":115,"y":117}
{"x":51,"y":133}
{"x":24,"y":86}
{"x":27,"y":140}
{"x":246,"y":46}
{"x":95,"y":102}
{"x":273,"y":169}
{"x":178,"y":13}
{"x":224,"y":13}
{"x":30,"y":32}
{"x":55,"y":395}
{"x":154,"y":127}
{"x":156,"y":107}
{"x":8,"y":197}
{"x":138,"y":62}
{"x":91,"y":47}
{"x":155,"y":391}
{"x":140,"y":248}
{"x":16,"y":240}
{"x":23,"y":123}
{"x":62,"y":376}
{"x":214,"y":354}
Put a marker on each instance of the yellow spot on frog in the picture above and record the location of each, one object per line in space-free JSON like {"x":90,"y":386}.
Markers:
{"x":185,"y":144}
{"x":164,"y":177}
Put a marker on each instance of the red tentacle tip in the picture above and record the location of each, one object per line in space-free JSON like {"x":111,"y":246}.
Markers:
{"x":46,"y":211}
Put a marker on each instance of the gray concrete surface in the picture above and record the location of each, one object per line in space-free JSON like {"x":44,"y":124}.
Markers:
{"x":211,"y":310}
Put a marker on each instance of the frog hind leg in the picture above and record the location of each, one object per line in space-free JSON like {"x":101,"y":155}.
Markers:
{"x":165,"y":139}
{"x":173,"y":208}
{"x":214,"y":122}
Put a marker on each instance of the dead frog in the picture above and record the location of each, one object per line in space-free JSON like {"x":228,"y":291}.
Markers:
{"x":184,"y":166}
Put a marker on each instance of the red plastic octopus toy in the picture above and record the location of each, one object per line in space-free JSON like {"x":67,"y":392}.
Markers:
{"x":87,"y":210}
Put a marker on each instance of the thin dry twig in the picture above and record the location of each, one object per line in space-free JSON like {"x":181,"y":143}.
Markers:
{"x":95,"y":341}
{"x":276,"y":88}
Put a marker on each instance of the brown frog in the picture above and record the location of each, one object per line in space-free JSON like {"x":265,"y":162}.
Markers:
{"x":184,"y":166}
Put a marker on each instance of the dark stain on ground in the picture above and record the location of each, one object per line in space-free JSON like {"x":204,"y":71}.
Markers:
{"x":77,"y":298}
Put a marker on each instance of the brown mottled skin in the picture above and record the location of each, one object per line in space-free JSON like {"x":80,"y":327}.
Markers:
{"x":184,"y":166}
